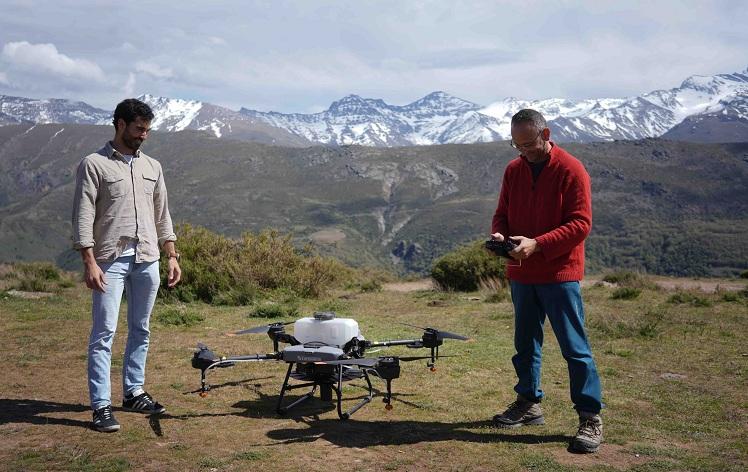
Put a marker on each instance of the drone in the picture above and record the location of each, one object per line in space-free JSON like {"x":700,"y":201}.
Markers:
{"x":323,"y":352}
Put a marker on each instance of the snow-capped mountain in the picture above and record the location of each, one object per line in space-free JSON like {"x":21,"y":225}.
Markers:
{"x":15,"y":110}
{"x":173,"y":114}
{"x":649,"y":115}
{"x":170,"y":115}
{"x":437,"y":118}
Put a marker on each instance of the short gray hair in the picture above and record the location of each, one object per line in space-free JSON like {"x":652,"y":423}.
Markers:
{"x":528,"y":115}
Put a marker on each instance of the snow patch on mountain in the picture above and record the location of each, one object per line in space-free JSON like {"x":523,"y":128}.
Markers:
{"x":172,"y":114}
{"x":437,"y":118}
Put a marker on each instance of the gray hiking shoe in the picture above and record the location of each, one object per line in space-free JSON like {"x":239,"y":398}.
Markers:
{"x":590,"y":433}
{"x":518,"y":413}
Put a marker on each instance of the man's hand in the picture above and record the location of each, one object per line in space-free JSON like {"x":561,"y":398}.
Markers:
{"x":94,"y":277}
{"x":497,"y":236}
{"x":525,"y":247}
{"x":175,"y":272}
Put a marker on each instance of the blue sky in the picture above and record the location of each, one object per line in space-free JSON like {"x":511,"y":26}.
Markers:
{"x":299,"y":56}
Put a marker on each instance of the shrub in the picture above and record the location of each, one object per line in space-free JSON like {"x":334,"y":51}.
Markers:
{"x":624,"y":278}
{"x":177,"y":315}
{"x":682,"y":297}
{"x":219,"y":270}
{"x":730,"y":297}
{"x":270,"y":309}
{"x":38,"y":277}
{"x":464,"y":268}
{"x":648,"y":326}
{"x":495,"y":297}
{"x":744,"y":274}
{"x":371,"y":286}
{"x":625,"y":293}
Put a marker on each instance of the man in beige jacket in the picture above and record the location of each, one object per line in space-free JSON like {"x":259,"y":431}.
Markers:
{"x":120,"y":219}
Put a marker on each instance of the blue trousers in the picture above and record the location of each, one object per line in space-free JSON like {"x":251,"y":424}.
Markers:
{"x":562,"y":303}
{"x":141,"y":281}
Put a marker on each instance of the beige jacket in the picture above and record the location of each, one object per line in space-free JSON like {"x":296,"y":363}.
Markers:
{"x":115,"y":203}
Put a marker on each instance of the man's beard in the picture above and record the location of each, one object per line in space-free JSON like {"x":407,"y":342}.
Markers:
{"x":132,"y":143}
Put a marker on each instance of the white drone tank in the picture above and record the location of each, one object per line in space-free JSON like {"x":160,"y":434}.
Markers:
{"x":325,"y":328}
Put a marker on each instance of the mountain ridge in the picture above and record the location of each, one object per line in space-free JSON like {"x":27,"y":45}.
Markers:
{"x":660,"y":206}
{"x":436,"y":118}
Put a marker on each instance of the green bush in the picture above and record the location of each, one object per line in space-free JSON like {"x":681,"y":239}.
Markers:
{"x":625,"y":278}
{"x":177,"y":315}
{"x":219,"y":270}
{"x":270,"y":309}
{"x":495,"y":297}
{"x":744,"y":274}
{"x":625,"y":293}
{"x":371,"y":286}
{"x":368,"y":279}
{"x":38,"y":277}
{"x":682,"y":297}
{"x":466,"y":267}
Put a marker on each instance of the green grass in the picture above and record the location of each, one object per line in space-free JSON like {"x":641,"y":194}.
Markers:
{"x":658,"y":362}
{"x":177,"y":315}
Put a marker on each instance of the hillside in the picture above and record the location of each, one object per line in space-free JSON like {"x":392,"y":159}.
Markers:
{"x":661,"y":206}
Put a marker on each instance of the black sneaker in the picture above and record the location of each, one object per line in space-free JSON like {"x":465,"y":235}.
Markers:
{"x":143,"y":403}
{"x":103,"y":420}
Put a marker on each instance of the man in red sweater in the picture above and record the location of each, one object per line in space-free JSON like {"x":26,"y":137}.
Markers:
{"x":545,"y":208}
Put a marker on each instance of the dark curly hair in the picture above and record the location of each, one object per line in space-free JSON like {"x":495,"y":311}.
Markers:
{"x":130,"y":109}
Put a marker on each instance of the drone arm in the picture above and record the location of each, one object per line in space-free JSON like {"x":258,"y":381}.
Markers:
{"x":252,"y":357}
{"x":398,"y":342}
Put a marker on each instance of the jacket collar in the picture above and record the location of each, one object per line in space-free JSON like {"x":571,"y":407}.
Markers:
{"x":554,"y":154}
{"x":112,"y":153}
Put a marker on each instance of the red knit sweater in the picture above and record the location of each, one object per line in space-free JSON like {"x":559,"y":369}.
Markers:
{"x":556,"y":211}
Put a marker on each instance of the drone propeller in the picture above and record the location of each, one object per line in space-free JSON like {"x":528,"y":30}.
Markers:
{"x":440,"y":334}
{"x":261,"y":329}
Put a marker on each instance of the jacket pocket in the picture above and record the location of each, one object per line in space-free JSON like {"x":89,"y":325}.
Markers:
{"x":115,"y":185}
{"x":149,"y":183}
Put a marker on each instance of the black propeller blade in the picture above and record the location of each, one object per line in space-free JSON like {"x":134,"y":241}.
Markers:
{"x":261,"y":329}
{"x":440,"y":334}
{"x":447,"y":334}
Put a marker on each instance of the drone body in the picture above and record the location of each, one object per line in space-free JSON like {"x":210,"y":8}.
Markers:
{"x":326,"y":351}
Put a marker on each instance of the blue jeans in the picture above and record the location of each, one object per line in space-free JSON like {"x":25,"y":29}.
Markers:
{"x":141,"y":282}
{"x":562,"y":303}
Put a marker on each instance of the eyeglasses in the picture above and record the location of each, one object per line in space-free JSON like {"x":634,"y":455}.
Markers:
{"x":525,"y":145}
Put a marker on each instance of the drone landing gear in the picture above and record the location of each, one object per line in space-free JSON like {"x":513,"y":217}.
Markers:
{"x":327,"y":383}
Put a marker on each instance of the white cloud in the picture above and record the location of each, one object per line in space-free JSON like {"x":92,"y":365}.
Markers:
{"x":217,"y":41}
{"x":129,"y":88}
{"x":47,"y":60}
{"x":4,"y":78}
{"x":154,"y":70}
